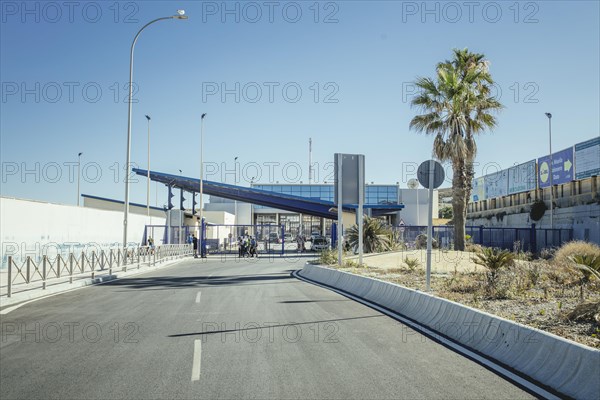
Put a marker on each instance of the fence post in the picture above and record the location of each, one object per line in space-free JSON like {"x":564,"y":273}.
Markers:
{"x":481,"y":235}
{"x":71,"y":268}
{"x":44,"y":260}
{"x":110,"y":261}
{"x":154,"y":257}
{"x":93,"y":266}
{"x":10,"y":261}
{"x":532,"y":239}
{"x":28,"y":268}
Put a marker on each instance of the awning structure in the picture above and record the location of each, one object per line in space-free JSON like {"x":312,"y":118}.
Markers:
{"x":297,"y":204}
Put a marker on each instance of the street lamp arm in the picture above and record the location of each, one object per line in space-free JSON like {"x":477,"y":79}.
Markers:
{"x":130,"y":103}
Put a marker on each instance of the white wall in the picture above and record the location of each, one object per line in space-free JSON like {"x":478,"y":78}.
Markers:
{"x":32,"y":228}
{"x":415,"y":213}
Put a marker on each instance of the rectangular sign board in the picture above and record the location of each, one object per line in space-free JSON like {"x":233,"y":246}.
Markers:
{"x":353,"y":178}
{"x":562,"y":168}
{"x":587,"y":158}
{"x":496,"y":185}
{"x":477,"y":189}
{"x":522,"y":178}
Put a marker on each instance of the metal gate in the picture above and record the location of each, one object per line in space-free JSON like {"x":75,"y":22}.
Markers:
{"x":270,"y":238}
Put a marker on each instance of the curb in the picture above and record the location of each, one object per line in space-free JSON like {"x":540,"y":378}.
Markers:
{"x":564,"y":366}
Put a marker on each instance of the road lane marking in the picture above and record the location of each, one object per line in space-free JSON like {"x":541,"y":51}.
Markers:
{"x":197,"y":360}
{"x":198,"y":298}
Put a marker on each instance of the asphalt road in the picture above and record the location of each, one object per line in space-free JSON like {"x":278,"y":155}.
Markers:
{"x":226,"y":329}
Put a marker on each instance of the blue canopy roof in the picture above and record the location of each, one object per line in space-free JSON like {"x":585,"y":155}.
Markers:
{"x":287,"y":202}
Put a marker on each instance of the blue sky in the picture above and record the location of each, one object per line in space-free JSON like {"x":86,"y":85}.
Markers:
{"x":339,"y":72}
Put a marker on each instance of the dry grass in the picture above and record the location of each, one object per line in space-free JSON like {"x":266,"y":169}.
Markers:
{"x":588,"y":311}
{"x":577,"y":247}
{"x":541,"y":294}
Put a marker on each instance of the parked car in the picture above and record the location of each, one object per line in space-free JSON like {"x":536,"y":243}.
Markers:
{"x":315,"y":235}
{"x":274,"y":237}
{"x":288,"y":237}
{"x":319,"y":244}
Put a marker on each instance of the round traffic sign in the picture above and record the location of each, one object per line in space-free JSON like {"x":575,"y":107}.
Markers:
{"x":425,"y":169}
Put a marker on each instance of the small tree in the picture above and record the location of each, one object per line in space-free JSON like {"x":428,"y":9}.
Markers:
{"x":376,"y":236}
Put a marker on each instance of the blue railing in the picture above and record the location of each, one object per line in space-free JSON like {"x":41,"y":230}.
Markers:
{"x":530,"y":239}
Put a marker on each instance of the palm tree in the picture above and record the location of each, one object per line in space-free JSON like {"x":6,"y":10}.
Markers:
{"x":376,"y":236}
{"x":457,"y":106}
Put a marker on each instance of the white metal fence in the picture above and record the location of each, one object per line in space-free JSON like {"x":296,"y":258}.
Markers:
{"x":24,"y":274}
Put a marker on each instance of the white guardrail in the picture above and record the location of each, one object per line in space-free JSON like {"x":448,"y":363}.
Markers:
{"x":60,"y":269}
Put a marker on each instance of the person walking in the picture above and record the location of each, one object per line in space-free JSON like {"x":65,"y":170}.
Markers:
{"x":195,"y":244}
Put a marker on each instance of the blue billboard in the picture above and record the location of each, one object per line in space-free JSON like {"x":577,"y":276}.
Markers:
{"x":587,"y":158}
{"x":562,"y":168}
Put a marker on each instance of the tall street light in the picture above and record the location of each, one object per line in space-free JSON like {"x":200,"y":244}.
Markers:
{"x":235,"y":183}
{"x":148,"y":172}
{"x":551,"y":173}
{"x":78,"y":176}
{"x":202,"y":253}
{"x":180,"y":15}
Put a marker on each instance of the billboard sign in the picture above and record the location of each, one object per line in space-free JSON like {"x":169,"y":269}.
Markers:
{"x":477,"y":191}
{"x":496,"y":185}
{"x":522,"y":178}
{"x":587,"y":158}
{"x":353,"y":178}
{"x":562,"y":168}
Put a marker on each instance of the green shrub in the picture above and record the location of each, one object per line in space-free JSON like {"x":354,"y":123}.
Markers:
{"x":412,"y":263}
{"x":588,"y":265}
{"x":328,"y":257}
{"x":494,"y":260}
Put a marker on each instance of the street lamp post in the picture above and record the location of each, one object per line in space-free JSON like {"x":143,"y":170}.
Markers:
{"x":551,"y":171}
{"x":180,"y":15}
{"x":235,"y":183}
{"x":78,"y":176}
{"x":148,"y":172}
{"x":202,"y":252}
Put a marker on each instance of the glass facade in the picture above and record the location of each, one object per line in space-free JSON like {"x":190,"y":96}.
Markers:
{"x":375,"y":194}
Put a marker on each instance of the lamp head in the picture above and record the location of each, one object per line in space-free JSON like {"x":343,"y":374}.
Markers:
{"x":79,"y":155}
{"x":548,"y":115}
{"x":203,"y":115}
{"x":148,"y":117}
{"x":180,"y":15}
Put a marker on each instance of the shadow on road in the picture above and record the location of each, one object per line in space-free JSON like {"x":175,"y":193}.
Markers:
{"x":273,"y":326}
{"x":169,"y":282}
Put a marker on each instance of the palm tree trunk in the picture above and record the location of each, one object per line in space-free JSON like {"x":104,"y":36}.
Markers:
{"x":458,"y":203}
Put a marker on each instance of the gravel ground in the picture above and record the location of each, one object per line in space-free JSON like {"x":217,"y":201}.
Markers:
{"x":463,"y":281}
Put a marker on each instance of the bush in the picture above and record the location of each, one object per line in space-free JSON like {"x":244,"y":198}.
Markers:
{"x":421,"y":242}
{"x":328,"y":257}
{"x":412,"y":263}
{"x":578,"y":247}
{"x":494,"y":260}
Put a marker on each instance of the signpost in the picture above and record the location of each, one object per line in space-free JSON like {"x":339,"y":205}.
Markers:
{"x":431,"y":175}
{"x":349,"y":188}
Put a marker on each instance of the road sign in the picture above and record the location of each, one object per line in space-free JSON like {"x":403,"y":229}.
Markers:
{"x":562,"y":168}
{"x":424,"y":171}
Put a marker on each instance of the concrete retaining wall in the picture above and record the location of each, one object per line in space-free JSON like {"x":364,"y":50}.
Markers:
{"x":565,"y":366}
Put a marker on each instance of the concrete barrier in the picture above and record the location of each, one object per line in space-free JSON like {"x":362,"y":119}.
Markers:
{"x":569,"y":368}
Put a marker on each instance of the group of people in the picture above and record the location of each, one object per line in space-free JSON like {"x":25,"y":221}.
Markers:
{"x":193,"y":240}
{"x":247,"y":246}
